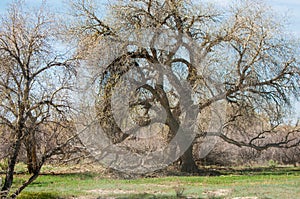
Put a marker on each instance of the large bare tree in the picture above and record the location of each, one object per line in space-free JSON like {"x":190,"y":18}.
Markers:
{"x":239,"y":55}
{"x":35,"y":80}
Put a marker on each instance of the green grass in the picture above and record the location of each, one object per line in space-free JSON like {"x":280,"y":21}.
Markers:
{"x":264,"y":184}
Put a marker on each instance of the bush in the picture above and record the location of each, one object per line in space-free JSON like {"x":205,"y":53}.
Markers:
{"x":273,"y":164}
{"x":4,"y":164}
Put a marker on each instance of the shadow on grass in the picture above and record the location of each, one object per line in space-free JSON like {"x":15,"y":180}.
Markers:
{"x":83,"y":175}
{"x":262,"y":171}
{"x":39,"y":195}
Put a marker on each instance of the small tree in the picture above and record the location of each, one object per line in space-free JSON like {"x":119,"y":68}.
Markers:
{"x":35,"y":79}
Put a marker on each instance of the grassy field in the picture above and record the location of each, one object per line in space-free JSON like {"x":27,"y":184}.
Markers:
{"x":257,"y":183}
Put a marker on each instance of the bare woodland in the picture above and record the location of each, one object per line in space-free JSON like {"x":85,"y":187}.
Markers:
{"x":188,"y":58}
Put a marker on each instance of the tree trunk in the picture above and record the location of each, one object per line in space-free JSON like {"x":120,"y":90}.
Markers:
{"x":32,"y":163}
{"x":11,"y":168}
{"x":30,"y":180}
{"x":188,"y":163}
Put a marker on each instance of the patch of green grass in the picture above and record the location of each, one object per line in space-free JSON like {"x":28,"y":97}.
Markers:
{"x":262,"y":184}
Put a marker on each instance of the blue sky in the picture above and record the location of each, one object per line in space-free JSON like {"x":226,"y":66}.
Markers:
{"x":289,"y":7}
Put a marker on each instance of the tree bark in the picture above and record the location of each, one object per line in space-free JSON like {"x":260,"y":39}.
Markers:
{"x":11,"y":168}
{"x":32,"y":163}
{"x":188,"y":163}
{"x":30,"y":180}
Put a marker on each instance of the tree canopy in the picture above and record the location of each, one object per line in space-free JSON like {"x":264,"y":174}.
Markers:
{"x":239,"y":56}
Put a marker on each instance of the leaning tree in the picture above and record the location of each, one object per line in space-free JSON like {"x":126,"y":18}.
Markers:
{"x":238,"y":57}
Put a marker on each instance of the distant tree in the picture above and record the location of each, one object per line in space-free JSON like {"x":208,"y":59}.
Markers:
{"x":239,"y":55}
{"x":35,"y":80}
{"x":244,"y":131}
